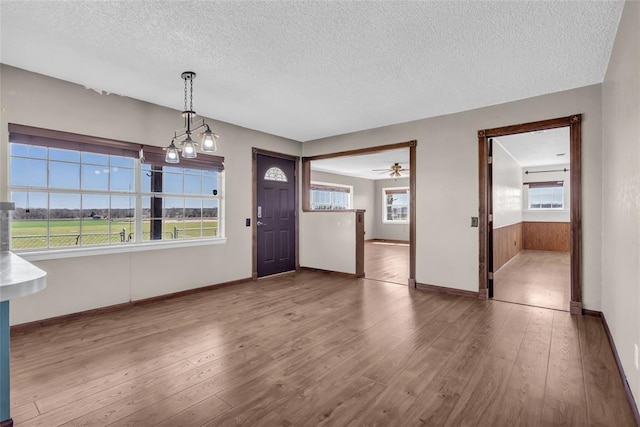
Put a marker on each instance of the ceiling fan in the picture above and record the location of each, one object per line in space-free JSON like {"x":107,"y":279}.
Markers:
{"x":394,"y":170}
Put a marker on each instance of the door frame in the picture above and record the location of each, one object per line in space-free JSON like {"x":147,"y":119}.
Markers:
{"x":574,"y":123}
{"x":411,"y":145}
{"x":254,"y":202}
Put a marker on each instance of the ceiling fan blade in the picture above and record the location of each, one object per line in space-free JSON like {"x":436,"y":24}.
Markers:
{"x":376,"y":170}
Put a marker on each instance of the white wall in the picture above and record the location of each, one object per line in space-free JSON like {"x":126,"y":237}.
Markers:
{"x":621,"y":193}
{"x":328,"y":241}
{"x":363,"y":195}
{"x":547,"y":215}
{"x":384,"y":230}
{"x":507,"y":188}
{"x":447,"y":181}
{"x":90,"y":282}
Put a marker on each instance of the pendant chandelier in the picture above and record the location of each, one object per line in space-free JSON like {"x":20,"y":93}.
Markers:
{"x":182,"y":139}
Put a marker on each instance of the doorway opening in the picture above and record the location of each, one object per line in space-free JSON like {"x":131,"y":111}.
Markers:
{"x":380,"y":181}
{"x":530,"y":216}
{"x":275,"y":219}
{"x":531,"y":222}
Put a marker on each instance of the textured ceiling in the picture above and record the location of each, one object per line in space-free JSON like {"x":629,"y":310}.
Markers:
{"x":540,"y":148}
{"x":362,"y":166}
{"x":312,"y":69}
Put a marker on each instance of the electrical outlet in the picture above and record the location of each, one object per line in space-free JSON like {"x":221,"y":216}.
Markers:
{"x":635,"y":357}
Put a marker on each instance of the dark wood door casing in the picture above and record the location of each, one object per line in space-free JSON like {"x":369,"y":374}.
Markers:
{"x":485,"y":237}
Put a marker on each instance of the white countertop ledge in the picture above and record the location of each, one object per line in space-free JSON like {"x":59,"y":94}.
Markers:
{"x":19,"y":277}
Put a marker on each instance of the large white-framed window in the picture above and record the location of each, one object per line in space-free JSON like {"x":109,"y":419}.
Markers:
{"x":395,"y":205}
{"x":327,"y":196}
{"x":545,"y":195}
{"x":73,"y":191}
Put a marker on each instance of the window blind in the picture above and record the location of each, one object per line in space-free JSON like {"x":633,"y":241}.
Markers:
{"x":331,"y":188}
{"x":545,"y":184}
{"x":71,"y":141}
{"x":31,"y":135}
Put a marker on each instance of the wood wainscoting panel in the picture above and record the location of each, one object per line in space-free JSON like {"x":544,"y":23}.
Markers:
{"x":507,"y":243}
{"x":547,"y":236}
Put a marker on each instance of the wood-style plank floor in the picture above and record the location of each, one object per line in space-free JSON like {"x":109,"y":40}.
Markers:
{"x":385,"y":261}
{"x":538,"y":278}
{"x":318,"y":349}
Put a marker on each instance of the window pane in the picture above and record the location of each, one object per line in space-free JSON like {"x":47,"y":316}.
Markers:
{"x":546,"y":198}
{"x":122,"y":207}
{"x":172,"y":169}
{"x":209,"y":208}
{"x":64,"y":155}
{"x":275,"y":174}
{"x":123,"y":162}
{"x":121,"y":179}
{"x":95,"y":159}
{"x":192,"y":228}
{"x":64,"y":175}
{"x":123,"y":231}
{"x":145,"y":176}
{"x":396,"y":204}
{"x":193,"y":208}
{"x":173,"y":207}
{"x":146,"y":218}
{"x":28,"y":173}
{"x":209,"y":182}
{"x":64,"y":219}
{"x":172,"y":182}
{"x":95,"y":177}
{"x":32,"y":151}
{"x":29,"y":226}
{"x":95,"y":206}
{"x":146,"y":207}
{"x":192,"y":184}
{"x":172,"y":229}
{"x":210,"y":218}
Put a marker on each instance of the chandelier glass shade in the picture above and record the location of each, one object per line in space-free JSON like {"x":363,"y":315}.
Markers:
{"x":182,"y":142}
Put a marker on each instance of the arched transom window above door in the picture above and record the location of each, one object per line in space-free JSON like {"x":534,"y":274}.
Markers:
{"x":275,"y":174}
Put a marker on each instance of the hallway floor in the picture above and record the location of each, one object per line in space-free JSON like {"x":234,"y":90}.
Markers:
{"x":538,"y":278}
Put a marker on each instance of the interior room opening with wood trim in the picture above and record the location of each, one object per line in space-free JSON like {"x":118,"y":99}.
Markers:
{"x":377,"y":183}
{"x":531,"y":221}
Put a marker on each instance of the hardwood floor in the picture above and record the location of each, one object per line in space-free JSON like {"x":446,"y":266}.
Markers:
{"x":538,"y":278}
{"x":388,"y":262}
{"x":313,"y":348}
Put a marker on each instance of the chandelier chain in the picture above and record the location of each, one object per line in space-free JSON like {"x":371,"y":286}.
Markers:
{"x":185,"y":94}
{"x":191,"y":86}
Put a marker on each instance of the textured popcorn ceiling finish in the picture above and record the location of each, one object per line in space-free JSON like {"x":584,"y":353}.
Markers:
{"x":540,"y":148}
{"x":363,"y":165}
{"x":307,"y":70}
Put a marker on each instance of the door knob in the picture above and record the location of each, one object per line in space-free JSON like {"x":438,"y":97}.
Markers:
{"x":260,"y":223}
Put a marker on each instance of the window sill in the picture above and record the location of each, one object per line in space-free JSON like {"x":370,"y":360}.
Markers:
{"x":396,"y":222}
{"x":116,"y":249}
